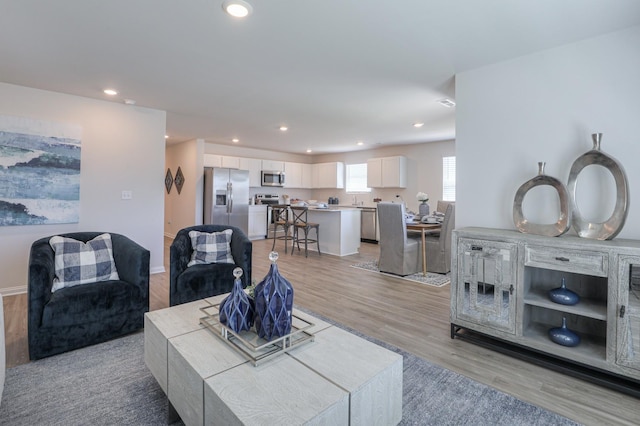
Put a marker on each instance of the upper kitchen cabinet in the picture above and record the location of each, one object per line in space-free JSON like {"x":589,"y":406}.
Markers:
{"x":307,"y":176}
{"x":387,"y":172}
{"x":211,"y":160}
{"x":328,"y":175}
{"x":271,"y":165}
{"x":254,"y":165}
{"x":293,"y":175}
{"x":231,"y":162}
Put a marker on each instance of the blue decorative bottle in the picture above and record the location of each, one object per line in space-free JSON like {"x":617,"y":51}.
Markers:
{"x":237,"y":309}
{"x":563,"y":336}
{"x":274,"y":303}
{"x":563,"y":295}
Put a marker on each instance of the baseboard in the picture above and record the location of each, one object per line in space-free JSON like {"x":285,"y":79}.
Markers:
{"x":157,"y":270}
{"x":10,"y":291}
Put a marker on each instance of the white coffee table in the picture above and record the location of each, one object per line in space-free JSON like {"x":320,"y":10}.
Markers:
{"x":338,"y":379}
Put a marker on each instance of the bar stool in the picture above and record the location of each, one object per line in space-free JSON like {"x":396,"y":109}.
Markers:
{"x":300,"y":222}
{"x":280,"y":217}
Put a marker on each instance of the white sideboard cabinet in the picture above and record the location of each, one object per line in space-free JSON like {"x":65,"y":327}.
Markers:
{"x":500,"y":283}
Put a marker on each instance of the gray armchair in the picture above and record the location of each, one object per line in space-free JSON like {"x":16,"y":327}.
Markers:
{"x":438,"y":247}
{"x":399,"y":254}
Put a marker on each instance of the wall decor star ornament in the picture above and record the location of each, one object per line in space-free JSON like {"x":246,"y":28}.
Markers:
{"x":168,"y":181}
{"x":179,"y":180}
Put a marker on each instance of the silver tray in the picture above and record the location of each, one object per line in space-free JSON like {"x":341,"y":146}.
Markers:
{"x":249,"y":344}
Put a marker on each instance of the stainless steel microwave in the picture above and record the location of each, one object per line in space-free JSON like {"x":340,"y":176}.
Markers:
{"x":272,"y":178}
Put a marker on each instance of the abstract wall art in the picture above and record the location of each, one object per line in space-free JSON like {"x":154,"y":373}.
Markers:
{"x":39,"y":172}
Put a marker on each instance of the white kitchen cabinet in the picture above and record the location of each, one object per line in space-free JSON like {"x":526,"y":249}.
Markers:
{"x":212,"y":160}
{"x":328,"y":175}
{"x":387,"y":172}
{"x":254,"y":166}
{"x":257,"y":222}
{"x":273,"y":165}
{"x":230,"y":162}
{"x":307,"y":176}
{"x":293,"y":175}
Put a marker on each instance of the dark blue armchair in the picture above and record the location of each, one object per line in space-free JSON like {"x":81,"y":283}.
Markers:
{"x":86,"y":314}
{"x":199,"y":281}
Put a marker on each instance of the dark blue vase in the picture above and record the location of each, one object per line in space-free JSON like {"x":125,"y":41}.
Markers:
{"x":563,"y":295}
{"x":563,"y":336}
{"x":237,"y":309}
{"x":274,"y":303}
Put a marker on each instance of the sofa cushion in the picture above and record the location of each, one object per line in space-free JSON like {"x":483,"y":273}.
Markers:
{"x":78,"y":263}
{"x":90,"y":303}
{"x":212,"y":247}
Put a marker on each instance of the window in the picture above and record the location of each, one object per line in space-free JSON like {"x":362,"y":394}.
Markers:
{"x":357,"y":178}
{"x":448,"y":178}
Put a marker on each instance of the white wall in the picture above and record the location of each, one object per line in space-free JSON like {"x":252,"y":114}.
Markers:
{"x":122,"y":149}
{"x":185,"y":208}
{"x":544,"y":107}
{"x":424,"y":173}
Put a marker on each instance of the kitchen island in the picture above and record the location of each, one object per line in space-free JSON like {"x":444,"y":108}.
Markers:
{"x":339,"y":229}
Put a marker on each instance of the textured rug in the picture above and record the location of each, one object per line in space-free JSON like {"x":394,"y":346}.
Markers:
{"x":437,"y":280}
{"x":109,"y":384}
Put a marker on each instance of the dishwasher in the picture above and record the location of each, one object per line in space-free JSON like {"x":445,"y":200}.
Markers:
{"x":368,"y":225}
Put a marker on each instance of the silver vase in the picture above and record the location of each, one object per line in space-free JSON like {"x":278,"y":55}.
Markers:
{"x":550,"y":230}
{"x":608,"y":229}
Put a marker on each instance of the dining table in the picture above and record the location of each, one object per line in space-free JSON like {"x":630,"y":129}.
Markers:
{"x":423,"y":228}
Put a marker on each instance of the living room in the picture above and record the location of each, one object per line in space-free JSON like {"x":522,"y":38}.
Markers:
{"x":510,"y":114}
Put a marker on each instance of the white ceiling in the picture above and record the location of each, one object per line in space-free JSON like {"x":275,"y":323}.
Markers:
{"x":334,"y":71}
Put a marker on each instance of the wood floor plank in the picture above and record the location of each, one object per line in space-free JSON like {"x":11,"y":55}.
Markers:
{"x":409,"y":315}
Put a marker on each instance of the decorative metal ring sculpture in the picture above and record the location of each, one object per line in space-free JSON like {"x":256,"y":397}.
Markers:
{"x":611,"y":227}
{"x":550,"y":230}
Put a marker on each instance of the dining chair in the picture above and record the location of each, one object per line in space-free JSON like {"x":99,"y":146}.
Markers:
{"x":400,"y":254}
{"x":438,"y":247}
{"x":281,"y":219}
{"x":300,"y":222}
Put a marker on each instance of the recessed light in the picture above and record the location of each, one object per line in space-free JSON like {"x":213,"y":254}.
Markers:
{"x":360,"y":143}
{"x":284,"y":128}
{"x":235,"y":140}
{"x":447,"y":102}
{"x":418,"y":125}
{"x":308,"y":150}
{"x":237,"y":8}
{"x":110,"y":92}
{"x":129,"y":102}
{"x":166,"y":136}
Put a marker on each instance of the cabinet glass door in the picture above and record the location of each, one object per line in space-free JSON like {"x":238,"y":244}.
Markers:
{"x":487,"y":283}
{"x":628,"y":312}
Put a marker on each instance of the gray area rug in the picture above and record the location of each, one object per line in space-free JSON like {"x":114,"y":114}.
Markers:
{"x":437,"y":280}
{"x":109,"y":384}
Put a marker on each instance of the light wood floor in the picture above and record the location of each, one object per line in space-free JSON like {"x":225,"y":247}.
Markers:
{"x":412,"y":316}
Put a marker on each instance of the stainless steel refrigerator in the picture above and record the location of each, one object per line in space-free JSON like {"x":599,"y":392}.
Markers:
{"x":226,"y":197}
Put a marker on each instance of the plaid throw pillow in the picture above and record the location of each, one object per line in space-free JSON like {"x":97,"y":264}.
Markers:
{"x":211,"y":248}
{"x":82,"y":263}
